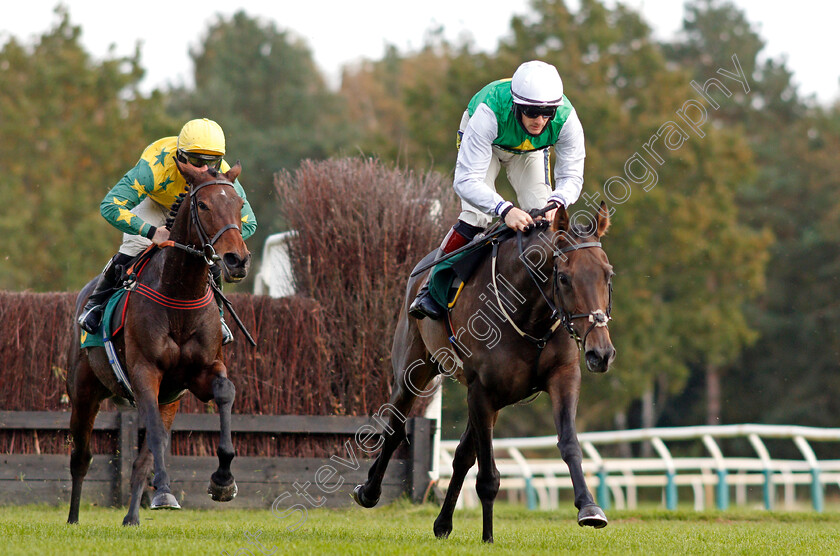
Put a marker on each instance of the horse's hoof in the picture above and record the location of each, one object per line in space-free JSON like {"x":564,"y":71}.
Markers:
{"x":135,"y":521}
{"x":361,"y":499}
{"x":442,"y":531}
{"x":164,"y":501}
{"x":221,"y":493}
{"x":592,"y":516}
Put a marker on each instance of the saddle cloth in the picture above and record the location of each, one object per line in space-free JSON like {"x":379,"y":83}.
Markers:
{"x":448,"y":277}
{"x":113,"y":319}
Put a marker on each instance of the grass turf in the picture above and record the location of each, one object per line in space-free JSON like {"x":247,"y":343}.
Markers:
{"x":403,"y":528}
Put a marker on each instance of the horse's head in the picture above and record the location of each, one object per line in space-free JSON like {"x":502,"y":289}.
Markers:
{"x":214,"y":224}
{"x":583,"y":285}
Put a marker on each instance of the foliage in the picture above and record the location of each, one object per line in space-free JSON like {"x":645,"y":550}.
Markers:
{"x":262,"y":86}
{"x":70,"y":126}
{"x":288,"y":372}
{"x":794,"y":195}
{"x":362,"y":226}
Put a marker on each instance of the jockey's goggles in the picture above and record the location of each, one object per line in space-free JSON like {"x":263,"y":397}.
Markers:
{"x":534,"y":112}
{"x":199,"y":159}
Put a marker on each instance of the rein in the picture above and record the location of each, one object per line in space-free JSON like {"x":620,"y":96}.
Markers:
{"x":561,"y":317}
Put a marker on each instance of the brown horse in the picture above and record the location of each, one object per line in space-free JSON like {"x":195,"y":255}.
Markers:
{"x":167,"y":347}
{"x":505,"y":349}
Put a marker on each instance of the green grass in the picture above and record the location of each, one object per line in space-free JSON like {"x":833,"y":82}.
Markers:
{"x":406,"y":529}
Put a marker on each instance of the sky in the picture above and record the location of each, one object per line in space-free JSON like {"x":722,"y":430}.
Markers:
{"x":341,"y":32}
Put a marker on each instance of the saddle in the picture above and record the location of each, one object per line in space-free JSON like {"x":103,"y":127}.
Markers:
{"x":113,"y":316}
{"x":448,"y":277}
{"x":113,"y":320}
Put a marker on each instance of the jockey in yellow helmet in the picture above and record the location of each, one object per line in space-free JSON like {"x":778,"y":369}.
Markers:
{"x":140,"y":202}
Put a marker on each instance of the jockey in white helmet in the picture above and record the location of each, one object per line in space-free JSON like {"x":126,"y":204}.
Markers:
{"x":512,"y":123}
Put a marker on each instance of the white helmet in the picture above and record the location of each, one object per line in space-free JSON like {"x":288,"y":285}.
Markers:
{"x":536,"y":83}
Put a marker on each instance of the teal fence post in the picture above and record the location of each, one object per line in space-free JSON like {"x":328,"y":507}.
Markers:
{"x":768,"y":489}
{"x":530,"y":494}
{"x":816,"y":490}
{"x":671,"y":490}
{"x":603,"y":490}
{"x":722,"y":490}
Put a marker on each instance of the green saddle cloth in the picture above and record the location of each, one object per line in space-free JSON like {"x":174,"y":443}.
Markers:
{"x":447,"y":275}
{"x":96,"y":340}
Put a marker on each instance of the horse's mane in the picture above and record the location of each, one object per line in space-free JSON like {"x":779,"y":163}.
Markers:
{"x":576,"y":232}
{"x":173,"y":210}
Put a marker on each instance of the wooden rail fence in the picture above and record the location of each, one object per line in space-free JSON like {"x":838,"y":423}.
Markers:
{"x":45,"y":478}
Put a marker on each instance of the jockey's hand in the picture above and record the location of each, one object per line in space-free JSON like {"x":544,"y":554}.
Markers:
{"x":161,"y":235}
{"x":552,"y":207}
{"x":519,"y":220}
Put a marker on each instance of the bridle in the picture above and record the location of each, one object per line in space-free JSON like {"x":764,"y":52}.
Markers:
{"x":598,"y":318}
{"x":207,"y":251}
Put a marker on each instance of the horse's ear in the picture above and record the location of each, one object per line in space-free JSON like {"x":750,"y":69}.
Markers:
{"x":189,"y":173}
{"x":234,"y":172}
{"x":603,"y":219}
{"x":561,"y":220}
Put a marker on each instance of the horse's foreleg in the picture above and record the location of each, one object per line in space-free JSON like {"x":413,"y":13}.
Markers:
{"x":482,"y":420}
{"x":157,"y":439}
{"x":143,"y":464}
{"x":222,"y":486}
{"x":564,"y":404}
{"x":462,"y":462}
{"x":86,"y":394}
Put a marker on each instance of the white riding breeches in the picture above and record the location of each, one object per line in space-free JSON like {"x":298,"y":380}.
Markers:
{"x":151,"y":212}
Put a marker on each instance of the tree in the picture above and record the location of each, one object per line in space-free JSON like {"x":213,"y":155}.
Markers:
{"x":70,"y":126}
{"x":262,"y":86}
{"x":795,"y":196}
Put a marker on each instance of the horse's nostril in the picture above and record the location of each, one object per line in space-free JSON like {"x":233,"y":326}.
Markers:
{"x":232,"y":260}
{"x":599,"y":362}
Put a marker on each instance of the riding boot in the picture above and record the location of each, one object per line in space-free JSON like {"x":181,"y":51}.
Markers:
{"x":424,"y":305}
{"x":216,"y":274}
{"x":91,"y":316}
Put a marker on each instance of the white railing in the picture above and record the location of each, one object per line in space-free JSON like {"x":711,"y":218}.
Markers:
{"x":539,"y":480}
{"x":275,"y":275}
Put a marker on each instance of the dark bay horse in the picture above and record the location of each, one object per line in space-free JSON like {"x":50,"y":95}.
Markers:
{"x":503,"y":328}
{"x":168,"y":347}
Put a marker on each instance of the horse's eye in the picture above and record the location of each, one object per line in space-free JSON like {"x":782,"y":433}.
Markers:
{"x":563,"y":279}
{"x":202,"y":206}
